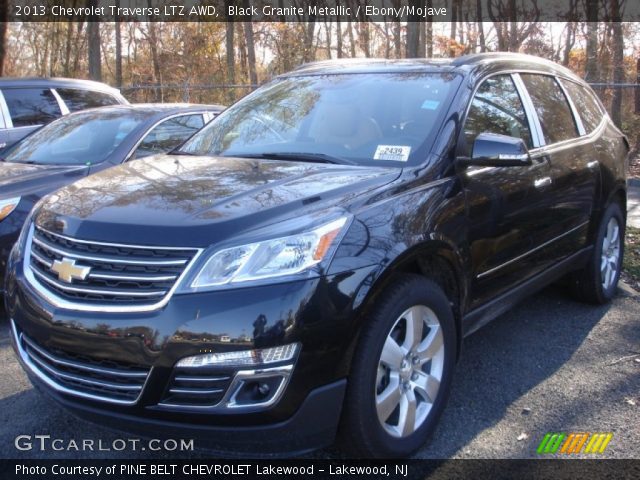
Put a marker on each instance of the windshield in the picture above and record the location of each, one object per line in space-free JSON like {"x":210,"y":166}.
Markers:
{"x":363,"y":119}
{"x":79,"y":139}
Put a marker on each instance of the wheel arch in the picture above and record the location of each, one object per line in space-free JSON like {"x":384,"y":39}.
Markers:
{"x":436,"y":260}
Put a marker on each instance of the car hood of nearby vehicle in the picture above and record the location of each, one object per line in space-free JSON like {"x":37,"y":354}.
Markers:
{"x":19,"y":179}
{"x":197,"y":201}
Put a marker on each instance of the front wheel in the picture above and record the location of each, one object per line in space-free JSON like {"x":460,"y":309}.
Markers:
{"x":401,"y":373}
{"x":598,"y":281}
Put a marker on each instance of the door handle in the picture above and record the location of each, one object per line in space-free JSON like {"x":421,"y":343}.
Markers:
{"x":542,"y":182}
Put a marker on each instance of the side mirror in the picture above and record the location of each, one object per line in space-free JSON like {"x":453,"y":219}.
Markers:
{"x":494,"y":150}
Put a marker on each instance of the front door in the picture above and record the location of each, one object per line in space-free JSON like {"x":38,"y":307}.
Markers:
{"x":504,"y":204}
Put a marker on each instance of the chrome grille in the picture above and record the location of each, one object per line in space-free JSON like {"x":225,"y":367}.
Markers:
{"x":119,"y":274}
{"x":84,"y":376}
{"x":195,"y":387}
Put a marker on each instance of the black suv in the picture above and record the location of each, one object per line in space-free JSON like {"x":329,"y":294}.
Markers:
{"x":29,"y":103}
{"x":309,"y":262}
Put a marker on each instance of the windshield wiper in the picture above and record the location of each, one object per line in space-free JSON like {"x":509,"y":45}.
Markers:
{"x":182,"y":152}
{"x":302,"y":156}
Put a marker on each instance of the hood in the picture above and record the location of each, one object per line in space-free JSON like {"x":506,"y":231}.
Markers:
{"x":198,"y":201}
{"x":18,"y":179}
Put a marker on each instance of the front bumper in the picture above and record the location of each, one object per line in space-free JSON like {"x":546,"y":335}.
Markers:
{"x":318,"y":314}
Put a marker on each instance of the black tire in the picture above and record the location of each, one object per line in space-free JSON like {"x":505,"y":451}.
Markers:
{"x":362,"y":433}
{"x":587,"y":283}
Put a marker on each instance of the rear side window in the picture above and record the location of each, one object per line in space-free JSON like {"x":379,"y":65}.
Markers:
{"x":552,"y":108}
{"x":169,"y":135}
{"x":497,"y":108}
{"x":77,"y":99}
{"x":587,"y":106}
{"x":31,"y":106}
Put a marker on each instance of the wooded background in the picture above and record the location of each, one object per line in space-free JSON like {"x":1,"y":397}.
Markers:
{"x":220,"y":62}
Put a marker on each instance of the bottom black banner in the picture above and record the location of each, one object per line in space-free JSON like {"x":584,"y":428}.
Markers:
{"x":319,"y":469}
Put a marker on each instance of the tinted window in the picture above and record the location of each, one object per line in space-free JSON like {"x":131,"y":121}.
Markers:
{"x":586,"y":105}
{"x":373,"y":119}
{"x":552,"y":107}
{"x":497,"y":108}
{"x":31,"y":106}
{"x":77,"y":139}
{"x":77,"y":99}
{"x":169,"y":134}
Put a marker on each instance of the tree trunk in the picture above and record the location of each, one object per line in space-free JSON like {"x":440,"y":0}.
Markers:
{"x":95,"y":70}
{"x":308,"y":53}
{"x":591,"y":68}
{"x":352,"y":41}
{"x":618,"y":62}
{"x":413,"y":33}
{"x":118,"y":53}
{"x":4,"y":11}
{"x":454,"y":24}
{"x":429,"y":31}
{"x":230,"y":53}
{"x":479,"y":20}
{"x":338,"y":34}
{"x":251,"y":53}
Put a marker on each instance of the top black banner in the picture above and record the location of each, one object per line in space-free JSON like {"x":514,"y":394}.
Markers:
{"x":310,"y":10}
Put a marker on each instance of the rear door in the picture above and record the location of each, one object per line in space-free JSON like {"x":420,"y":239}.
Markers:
{"x":573,"y":169}
{"x":505,"y":205}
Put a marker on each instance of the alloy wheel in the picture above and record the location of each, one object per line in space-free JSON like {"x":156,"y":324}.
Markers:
{"x":610,"y":257}
{"x":409,"y":371}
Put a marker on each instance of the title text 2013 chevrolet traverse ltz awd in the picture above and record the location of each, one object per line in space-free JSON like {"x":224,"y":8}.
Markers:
{"x":308,"y":264}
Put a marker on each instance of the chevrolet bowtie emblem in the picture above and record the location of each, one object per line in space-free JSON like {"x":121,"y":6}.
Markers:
{"x":67,"y":270}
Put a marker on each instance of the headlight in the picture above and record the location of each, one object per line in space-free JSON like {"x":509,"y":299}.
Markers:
{"x":279,"y":257}
{"x":263,"y":356}
{"x":7,"y":206}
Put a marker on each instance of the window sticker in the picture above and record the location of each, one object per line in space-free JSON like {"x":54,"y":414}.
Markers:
{"x":430,"y":105}
{"x":395,"y":153}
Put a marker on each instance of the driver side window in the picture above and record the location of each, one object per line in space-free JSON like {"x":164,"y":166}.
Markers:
{"x":496,"y":108}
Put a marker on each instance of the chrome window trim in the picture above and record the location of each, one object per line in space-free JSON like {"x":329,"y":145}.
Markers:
{"x":63,"y":106}
{"x":59,"y":302}
{"x":574,"y":111}
{"x":529,"y":252}
{"x":545,"y":150}
{"x":530,"y":111}
{"x":8,"y":122}
{"x":33,"y":368}
{"x":572,"y":142}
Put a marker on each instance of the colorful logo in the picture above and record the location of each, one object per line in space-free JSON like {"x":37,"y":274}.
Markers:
{"x":583,"y":442}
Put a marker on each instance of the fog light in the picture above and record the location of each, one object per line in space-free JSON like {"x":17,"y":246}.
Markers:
{"x":263,"y":356}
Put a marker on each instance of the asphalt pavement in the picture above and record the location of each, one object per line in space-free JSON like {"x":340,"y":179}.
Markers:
{"x":549,"y":365}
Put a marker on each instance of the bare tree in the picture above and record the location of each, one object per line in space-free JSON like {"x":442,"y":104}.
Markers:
{"x":506,"y":16}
